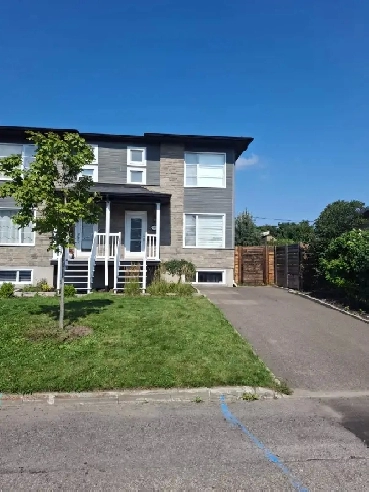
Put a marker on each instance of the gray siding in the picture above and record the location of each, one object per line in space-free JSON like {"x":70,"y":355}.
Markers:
{"x":7,"y":202}
{"x":113,"y":163}
{"x":214,"y":200}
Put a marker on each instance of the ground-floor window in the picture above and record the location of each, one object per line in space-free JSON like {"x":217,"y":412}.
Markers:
{"x":210,"y":277}
{"x":10,"y":233}
{"x":16,"y":276}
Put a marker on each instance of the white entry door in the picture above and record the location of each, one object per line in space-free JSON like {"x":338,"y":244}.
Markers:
{"x":84,"y":237}
{"x":136,"y":227}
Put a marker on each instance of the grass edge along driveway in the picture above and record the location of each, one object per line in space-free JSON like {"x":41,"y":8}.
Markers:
{"x":137,"y":342}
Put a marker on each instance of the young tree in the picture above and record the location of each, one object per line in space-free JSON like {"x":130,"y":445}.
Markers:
{"x":50,"y":187}
{"x":246,"y":231}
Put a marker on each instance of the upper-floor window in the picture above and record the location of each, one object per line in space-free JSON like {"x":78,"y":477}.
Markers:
{"x":91,"y":171}
{"x":27,"y":152}
{"x":11,"y":234}
{"x":205,"y":170}
{"x":136,"y":165}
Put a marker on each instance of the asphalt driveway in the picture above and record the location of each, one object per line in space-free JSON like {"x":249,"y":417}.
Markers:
{"x":306,"y":344}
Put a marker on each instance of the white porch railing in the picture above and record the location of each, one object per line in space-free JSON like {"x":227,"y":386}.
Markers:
{"x":151,"y":249}
{"x":117,"y":262}
{"x":114,"y":243}
{"x":91,"y":263}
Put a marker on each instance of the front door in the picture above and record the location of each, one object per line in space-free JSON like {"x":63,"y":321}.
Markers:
{"x":84,"y":237}
{"x":136,"y":227}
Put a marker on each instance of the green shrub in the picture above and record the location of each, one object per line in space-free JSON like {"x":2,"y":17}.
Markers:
{"x":181,"y":267}
{"x":43,"y":286}
{"x":7,"y":290}
{"x":162,"y":288}
{"x":132,"y":288}
{"x":69,"y":290}
{"x":345,"y":263}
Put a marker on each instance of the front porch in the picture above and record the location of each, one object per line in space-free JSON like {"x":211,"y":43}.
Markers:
{"x":128,"y":233}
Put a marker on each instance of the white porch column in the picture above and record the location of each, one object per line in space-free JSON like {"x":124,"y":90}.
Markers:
{"x":107,"y":242}
{"x":157,"y":231}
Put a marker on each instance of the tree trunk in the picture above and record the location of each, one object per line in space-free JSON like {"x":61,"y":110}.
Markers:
{"x":61,"y":312}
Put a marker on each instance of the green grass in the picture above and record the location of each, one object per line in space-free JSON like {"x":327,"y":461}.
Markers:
{"x":137,"y":342}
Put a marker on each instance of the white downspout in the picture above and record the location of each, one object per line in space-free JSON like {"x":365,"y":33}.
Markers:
{"x":157,"y":252}
{"x":107,"y":243}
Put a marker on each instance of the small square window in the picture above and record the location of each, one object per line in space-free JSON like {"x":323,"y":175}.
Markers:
{"x":16,"y":276}
{"x":136,"y":176}
{"x":90,"y":171}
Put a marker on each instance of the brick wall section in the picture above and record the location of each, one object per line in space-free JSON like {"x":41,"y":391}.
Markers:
{"x":27,"y":255}
{"x":172,"y":181}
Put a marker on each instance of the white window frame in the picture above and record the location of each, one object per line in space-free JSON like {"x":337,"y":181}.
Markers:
{"x":21,"y":245}
{"x":17,"y":270}
{"x":136,"y":166}
{"x":23,"y":154}
{"x":224,"y":184}
{"x":212,"y":270}
{"x":131,"y":168}
{"x":135,"y":163}
{"x":95,"y":174}
{"x":197,"y":214}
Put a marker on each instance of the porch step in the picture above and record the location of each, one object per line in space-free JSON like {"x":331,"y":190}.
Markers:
{"x":129,"y":269}
{"x":76,"y":274}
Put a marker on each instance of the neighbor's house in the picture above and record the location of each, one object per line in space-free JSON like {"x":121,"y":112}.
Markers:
{"x":163,"y":197}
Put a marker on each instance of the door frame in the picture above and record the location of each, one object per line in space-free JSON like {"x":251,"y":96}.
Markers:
{"x":127,"y":236}
{"x":78,"y":239}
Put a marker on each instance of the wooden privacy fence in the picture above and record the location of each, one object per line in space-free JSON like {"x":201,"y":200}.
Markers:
{"x":289,"y":265}
{"x":254,"y":265}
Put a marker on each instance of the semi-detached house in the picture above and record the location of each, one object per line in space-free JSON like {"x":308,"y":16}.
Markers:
{"x":163,"y":197}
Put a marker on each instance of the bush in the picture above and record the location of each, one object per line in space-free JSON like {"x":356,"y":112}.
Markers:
{"x":43,"y":286}
{"x":181,"y":267}
{"x":7,"y":290}
{"x":162,"y":288}
{"x":345,"y":264}
{"x":69,"y":290}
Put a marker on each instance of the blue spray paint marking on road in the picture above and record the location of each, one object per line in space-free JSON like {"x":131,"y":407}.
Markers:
{"x":268,"y":454}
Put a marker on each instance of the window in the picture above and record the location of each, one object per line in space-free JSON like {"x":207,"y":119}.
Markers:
{"x":16,"y":276}
{"x":204,"y":231}
{"x":136,"y":165}
{"x":205,"y":170}
{"x":26,"y":151}
{"x":210,"y":277}
{"x":11,"y":234}
{"x":91,"y":171}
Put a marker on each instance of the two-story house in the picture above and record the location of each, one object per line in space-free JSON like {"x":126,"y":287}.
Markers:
{"x":163,"y":197}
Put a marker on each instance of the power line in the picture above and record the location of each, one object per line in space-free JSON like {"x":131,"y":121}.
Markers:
{"x":281,"y":220}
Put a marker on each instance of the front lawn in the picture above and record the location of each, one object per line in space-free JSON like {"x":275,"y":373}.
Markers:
{"x":137,"y":342}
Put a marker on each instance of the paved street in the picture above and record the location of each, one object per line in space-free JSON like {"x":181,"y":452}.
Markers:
{"x":284,"y":445}
{"x":310,"y":346}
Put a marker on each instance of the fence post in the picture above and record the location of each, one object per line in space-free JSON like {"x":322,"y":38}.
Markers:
{"x":266,"y":266}
{"x":286,"y":264}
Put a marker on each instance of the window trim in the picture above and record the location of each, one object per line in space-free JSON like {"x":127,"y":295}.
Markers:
{"x":197,"y":186}
{"x":21,"y":245}
{"x":212,"y":270}
{"x":135,"y":163}
{"x":17,"y":270}
{"x":95,"y":169}
{"x":23,"y":154}
{"x":141,"y":169}
{"x":197,"y":214}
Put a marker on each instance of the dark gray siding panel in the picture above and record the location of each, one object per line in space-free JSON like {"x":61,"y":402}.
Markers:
{"x":216,"y":200}
{"x":113,"y":163}
{"x":153,"y":165}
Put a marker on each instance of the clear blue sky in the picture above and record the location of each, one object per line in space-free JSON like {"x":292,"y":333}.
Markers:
{"x":292,"y":74}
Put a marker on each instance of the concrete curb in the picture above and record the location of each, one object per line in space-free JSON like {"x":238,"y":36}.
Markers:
{"x":325,"y":303}
{"x":198,"y":395}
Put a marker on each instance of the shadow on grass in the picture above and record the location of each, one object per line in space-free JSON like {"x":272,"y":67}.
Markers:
{"x":75,"y":310}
